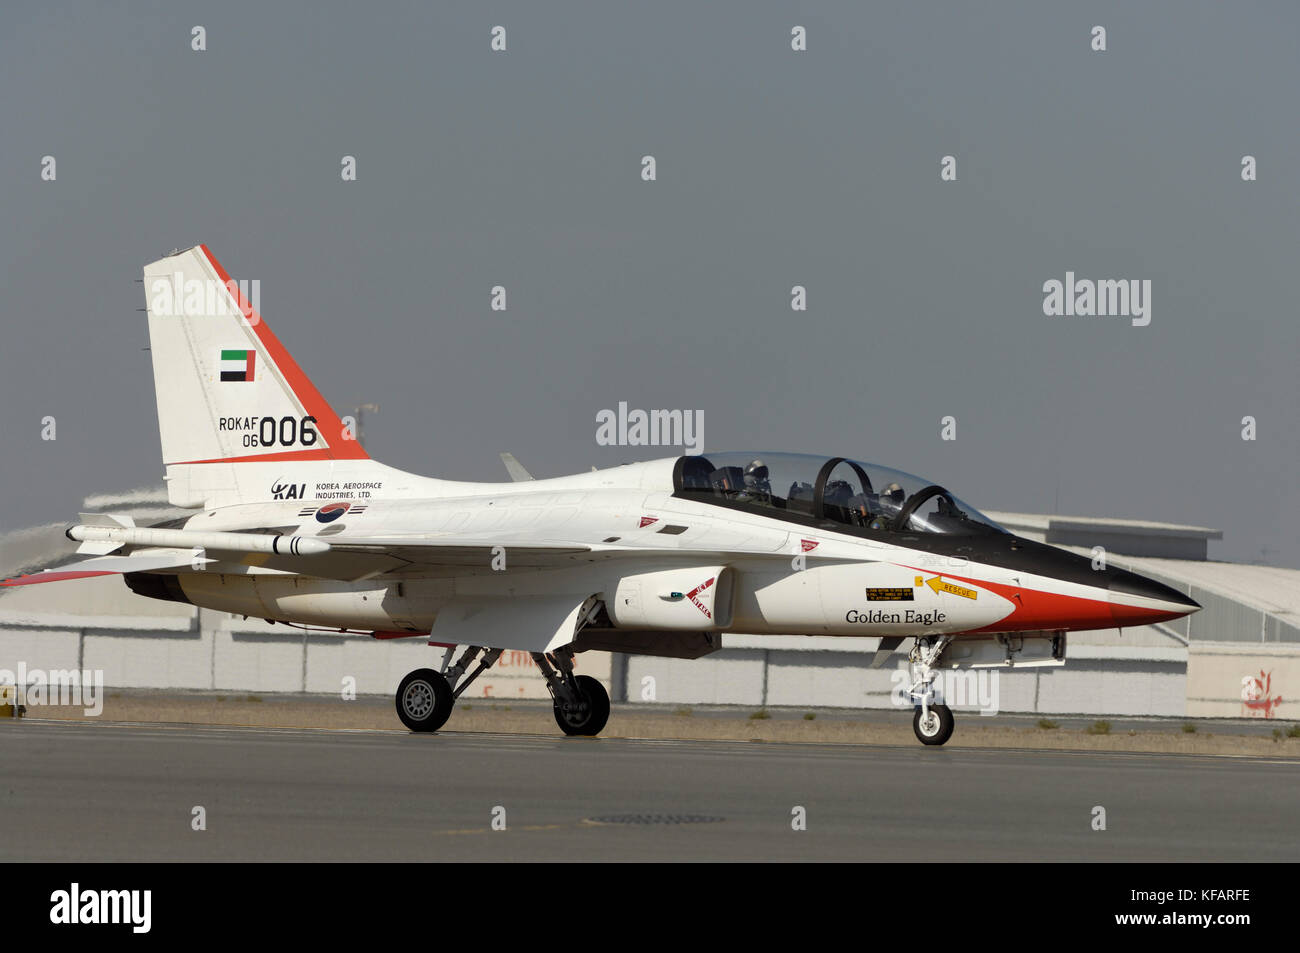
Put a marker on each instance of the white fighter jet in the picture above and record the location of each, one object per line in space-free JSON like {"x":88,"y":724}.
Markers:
{"x":295,"y":523}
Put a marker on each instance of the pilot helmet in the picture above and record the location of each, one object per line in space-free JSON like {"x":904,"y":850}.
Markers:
{"x":756,"y":472}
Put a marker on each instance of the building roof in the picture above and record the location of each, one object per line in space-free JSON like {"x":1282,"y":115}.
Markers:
{"x":1042,"y":523}
{"x":1271,"y":589}
{"x":1144,"y":547}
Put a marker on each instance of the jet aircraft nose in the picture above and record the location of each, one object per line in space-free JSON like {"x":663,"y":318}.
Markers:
{"x":1137,"y":600}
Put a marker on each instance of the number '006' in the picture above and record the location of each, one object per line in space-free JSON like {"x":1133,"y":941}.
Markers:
{"x":283,"y":432}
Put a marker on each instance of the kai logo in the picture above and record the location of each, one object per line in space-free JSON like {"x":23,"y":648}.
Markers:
{"x":288,"y":491}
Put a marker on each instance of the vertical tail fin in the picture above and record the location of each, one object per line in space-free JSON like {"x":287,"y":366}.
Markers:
{"x":228,"y":392}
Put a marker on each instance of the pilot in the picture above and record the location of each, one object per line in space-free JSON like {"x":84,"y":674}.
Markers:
{"x":891,"y":498}
{"x":758,"y":486}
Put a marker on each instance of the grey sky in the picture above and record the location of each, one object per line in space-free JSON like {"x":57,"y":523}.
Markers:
{"x":775,"y":168}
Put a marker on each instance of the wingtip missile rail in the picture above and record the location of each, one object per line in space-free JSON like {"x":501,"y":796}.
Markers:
{"x":279,"y":545}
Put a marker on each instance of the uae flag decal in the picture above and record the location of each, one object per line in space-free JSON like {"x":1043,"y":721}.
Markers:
{"x":237,"y":365}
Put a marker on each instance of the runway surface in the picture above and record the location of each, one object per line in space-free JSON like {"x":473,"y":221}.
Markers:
{"x":79,"y":791}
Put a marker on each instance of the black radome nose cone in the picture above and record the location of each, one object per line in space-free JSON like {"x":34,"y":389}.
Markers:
{"x":1130,"y":583}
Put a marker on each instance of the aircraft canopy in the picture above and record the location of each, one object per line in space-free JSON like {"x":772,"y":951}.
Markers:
{"x":813,"y":490}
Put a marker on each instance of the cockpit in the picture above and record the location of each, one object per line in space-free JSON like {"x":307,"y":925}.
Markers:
{"x":837,"y":492}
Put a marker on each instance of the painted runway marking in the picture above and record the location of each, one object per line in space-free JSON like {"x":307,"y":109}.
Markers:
{"x":531,"y":742}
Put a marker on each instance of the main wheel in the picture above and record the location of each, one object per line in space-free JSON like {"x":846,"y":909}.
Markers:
{"x":424,"y":700}
{"x":588,"y":718}
{"x":936,"y":729}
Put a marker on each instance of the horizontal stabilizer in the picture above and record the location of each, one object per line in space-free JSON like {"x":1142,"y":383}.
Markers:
{"x":106,"y":519}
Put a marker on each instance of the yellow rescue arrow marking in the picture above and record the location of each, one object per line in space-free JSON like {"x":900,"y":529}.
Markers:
{"x":938,"y":585}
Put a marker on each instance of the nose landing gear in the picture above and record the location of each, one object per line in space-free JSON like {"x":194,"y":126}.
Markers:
{"x":932,"y":723}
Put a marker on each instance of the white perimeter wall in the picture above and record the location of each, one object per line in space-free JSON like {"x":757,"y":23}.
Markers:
{"x":759,"y":678}
{"x":225,"y":654}
{"x":178,"y":647}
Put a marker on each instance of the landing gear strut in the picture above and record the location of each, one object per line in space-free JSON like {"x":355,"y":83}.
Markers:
{"x":581,"y":702}
{"x":425,"y":697}
{"x":932,"y":723}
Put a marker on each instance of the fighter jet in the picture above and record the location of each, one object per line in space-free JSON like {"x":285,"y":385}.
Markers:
{"x":294,"y":523}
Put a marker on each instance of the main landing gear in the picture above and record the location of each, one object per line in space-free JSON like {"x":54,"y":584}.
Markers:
{"x":932,"y":723}
{"x":581,"y":703}
{"x":424,"y":700}
{"x":425,"y":697}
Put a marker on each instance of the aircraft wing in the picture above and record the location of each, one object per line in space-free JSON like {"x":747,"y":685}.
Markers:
{"x":365,"y":557}
{"x":113,"y":565}
{"x":352,"y":558}
{"x":459,"y":551}
{"x":348,"y":560}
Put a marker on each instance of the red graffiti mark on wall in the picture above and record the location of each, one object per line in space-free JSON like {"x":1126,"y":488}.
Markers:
{"x":1257,"y":698}
{"x":513,"y":659}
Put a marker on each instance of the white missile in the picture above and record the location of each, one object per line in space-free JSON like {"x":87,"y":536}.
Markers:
{"x":231,"y":542}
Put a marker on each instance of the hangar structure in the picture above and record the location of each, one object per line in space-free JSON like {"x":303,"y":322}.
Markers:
{"x":1238,"y":657}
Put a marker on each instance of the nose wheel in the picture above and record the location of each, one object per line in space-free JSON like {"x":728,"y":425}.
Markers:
{"x":933,"y":725}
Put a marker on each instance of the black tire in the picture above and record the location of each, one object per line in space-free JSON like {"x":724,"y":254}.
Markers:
{"x":938,"y":730}
{"x":591,"y":718}
{"x":424,"y":700}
